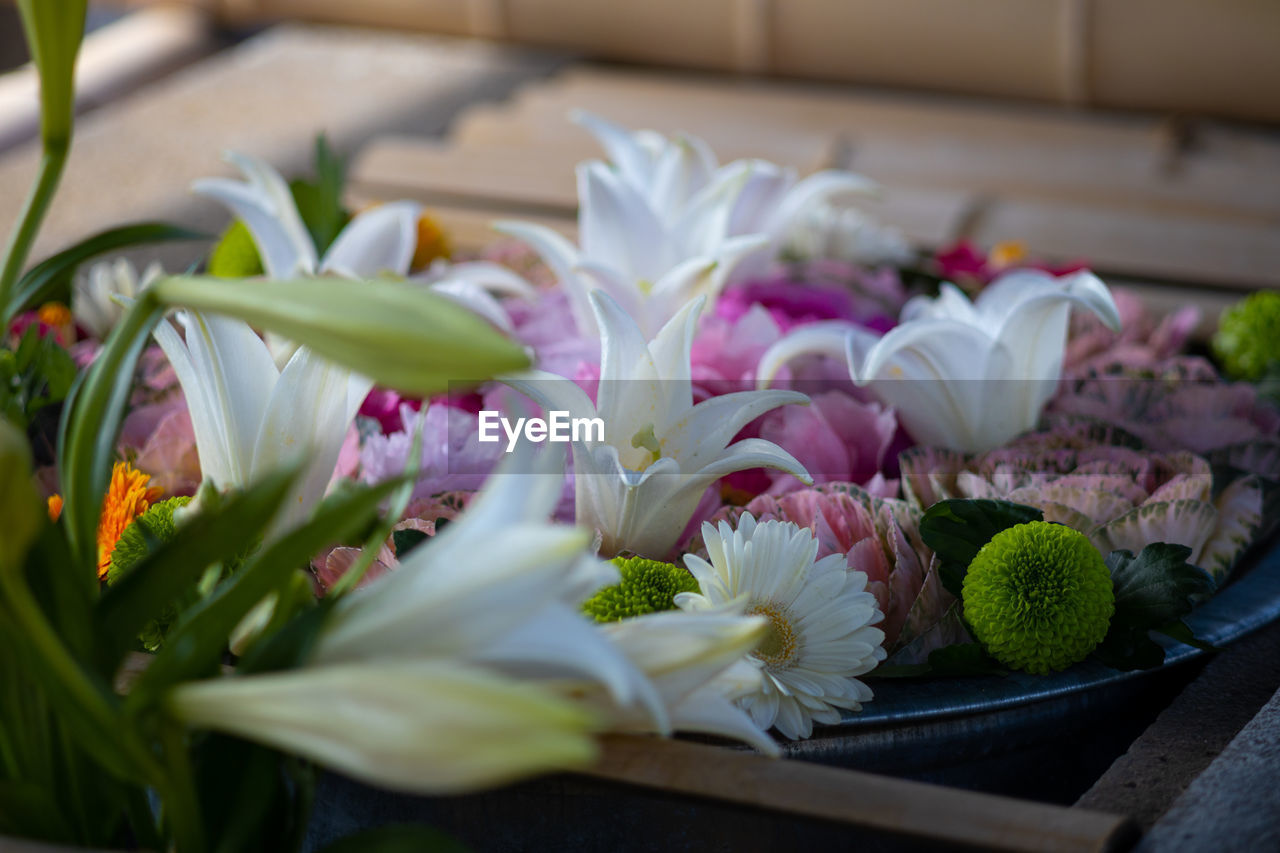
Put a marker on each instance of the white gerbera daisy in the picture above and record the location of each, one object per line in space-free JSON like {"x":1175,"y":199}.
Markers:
{"x":820,"y":620}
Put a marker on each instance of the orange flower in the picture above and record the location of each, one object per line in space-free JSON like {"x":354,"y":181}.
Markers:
{"x":54,"y":314}
{"x":127,"y":498}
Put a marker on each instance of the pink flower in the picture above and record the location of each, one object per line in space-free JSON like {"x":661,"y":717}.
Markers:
{"x":452,"y":456}
{"x":838,"y":440}
{"x":160,"y":437}
{"x":1142,"y":342}
{"x":546,"y":324}
{"x":963,"y":263}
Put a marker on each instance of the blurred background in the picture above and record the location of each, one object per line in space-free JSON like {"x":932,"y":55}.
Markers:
{"x":1140,"y":136}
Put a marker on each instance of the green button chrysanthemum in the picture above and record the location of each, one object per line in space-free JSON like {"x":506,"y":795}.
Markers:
{"x":153,"y":528}
{"x":647,"y":586}
{"x":1248,"y":338}
{"x":1039,"y":597}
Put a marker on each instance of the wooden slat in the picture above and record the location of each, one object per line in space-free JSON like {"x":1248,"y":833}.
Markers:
{"x":897,"y":806}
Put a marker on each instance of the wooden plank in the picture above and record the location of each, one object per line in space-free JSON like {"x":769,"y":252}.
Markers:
{"x":979,"y":146}
{"x":537,"y":180}
{"x":898,"y":806}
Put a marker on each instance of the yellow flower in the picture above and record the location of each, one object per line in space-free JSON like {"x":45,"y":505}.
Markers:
{"x":433,"y":242}
{"x":1007,"y":254}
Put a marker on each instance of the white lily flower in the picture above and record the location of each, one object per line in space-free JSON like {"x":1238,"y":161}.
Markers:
{"x":100,"y":295}
{"x":499,"y":587}
{"x":697,"y":662}
{"x":249,"y":418}
{"x":421,"y":726}
{"x":639,"y":486}
{"x":964,"y":375}
{"x":844,"y":233}
{"x":377,"y":241}
{"x":649,"y":264}
{"x":675,"y":175}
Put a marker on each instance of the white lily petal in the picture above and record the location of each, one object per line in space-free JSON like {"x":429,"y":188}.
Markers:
{"x":376,"y":242}
{"x":427,"y":727}
{"x":268,"y":210}
{"x":827,"y":338}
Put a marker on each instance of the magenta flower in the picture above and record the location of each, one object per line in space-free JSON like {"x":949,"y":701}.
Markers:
{"x":453,"y":458}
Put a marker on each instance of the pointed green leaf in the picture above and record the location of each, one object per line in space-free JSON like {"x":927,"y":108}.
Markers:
{"x":51,"y":278}
{"x":957,"y":529}
{"x":195,"y":646}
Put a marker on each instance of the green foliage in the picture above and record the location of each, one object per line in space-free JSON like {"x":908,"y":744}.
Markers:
{"x":36,"y":375}
{"x":957,"y":529}
{"x":647,"y":586}
{"x":235,"y":255}
{"x":1153,"y":590}
{"x":320,"y":200}
{"x":1038,"y":597}
{"x":50,"y":280}
{"x":1247,"y":342}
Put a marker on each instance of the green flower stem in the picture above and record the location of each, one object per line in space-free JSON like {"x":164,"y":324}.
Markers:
{"x":33,"y":212}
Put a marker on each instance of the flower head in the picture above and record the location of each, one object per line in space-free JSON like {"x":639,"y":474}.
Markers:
{"x":134,"y":544}
{"x":1039,"y":597}
{"x":1248,"y":338}
{"x":820,"y":620}
{"x":964,"y":375}
{"x":647,"y":586}
{"x":641,"y":484}
{"x":95,"y":293}
{"x":127,"y":497}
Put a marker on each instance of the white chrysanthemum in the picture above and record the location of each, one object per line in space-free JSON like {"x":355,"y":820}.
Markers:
{"x":100,"y":294}
{"x":821,"y":620}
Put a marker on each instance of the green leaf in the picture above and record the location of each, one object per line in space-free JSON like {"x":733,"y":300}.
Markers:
{"x":957,"y":529}
{"x":1182,"y":632}
{"x":90,"y":423}
{"x":1157,"y":587}
{"x":320,"y":201}
{"x":195,"y":646}
{"x":400,"y":335}
{"x":1129,"y":649}
{"x":1153,"y":592}
{"x":174,"y":568}
{"x":51,"y":279}
{"x":397,"y":838}
{"x":406,"y":540}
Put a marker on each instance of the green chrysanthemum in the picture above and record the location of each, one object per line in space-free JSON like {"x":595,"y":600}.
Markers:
{"x":647,"y":586}
{"x":1248,"y":338}
{"x":1039,"y":597}
{"x":236,"y":255}
{"x":154,"y":527}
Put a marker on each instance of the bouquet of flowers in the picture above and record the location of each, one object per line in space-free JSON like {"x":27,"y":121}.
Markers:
{"x":436,"y":522}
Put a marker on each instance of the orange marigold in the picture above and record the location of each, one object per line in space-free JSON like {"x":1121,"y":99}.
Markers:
{"x":55,"y":507}
{"x":127,"y":498}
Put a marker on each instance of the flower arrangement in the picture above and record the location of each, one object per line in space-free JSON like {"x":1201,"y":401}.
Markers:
{"x":271,"y":533}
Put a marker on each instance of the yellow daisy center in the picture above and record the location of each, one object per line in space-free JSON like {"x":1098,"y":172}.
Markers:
{"x":781,"y":644}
